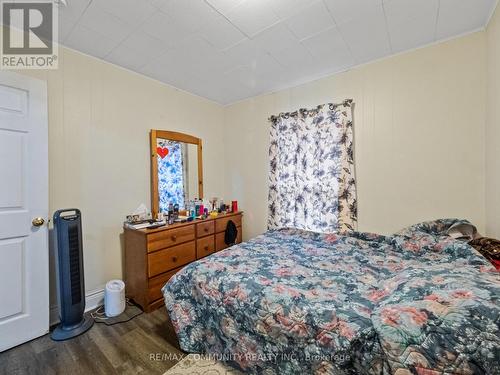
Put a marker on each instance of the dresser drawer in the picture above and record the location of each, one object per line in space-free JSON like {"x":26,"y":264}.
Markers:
{"x":219,"y":240}
{"x":170,"y":237}
{"x":157,"y":282}
{"x":221,"y":224}
{"x":205,"y":246}
{"x":173,"y":257}
{"x":204,"y":229}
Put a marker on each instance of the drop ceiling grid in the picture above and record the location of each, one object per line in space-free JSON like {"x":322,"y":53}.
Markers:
{"x":229,"y":50}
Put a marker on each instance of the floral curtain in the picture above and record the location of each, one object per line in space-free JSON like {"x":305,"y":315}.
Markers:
{"x":311,"y":183}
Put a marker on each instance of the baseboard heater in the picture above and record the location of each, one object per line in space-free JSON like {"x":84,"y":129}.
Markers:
{"x":70,"y":277}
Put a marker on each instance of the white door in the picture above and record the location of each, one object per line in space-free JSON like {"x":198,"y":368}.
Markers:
{"x":24,"y":265}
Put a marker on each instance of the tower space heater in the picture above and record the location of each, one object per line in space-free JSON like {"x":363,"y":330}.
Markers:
{"x":70,"y":283}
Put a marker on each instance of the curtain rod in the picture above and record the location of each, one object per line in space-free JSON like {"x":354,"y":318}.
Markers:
{"x":345,"y":103}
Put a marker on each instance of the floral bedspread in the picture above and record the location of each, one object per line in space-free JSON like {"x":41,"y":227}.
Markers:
{"x":297,"y":302}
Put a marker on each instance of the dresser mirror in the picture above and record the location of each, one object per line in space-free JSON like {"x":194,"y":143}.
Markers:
{"x":176,"y":169}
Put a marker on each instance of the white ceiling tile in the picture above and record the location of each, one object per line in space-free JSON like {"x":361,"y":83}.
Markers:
{"x":69,"y":16}
{"x":232,"y":96}
{"x":266,"y":83}
{"x":243,"y":52}
{"x":123,"y":57}
{"x":134,"y":12}
{"x":459,"y":16}
{"x":224,"y":6}
{"x":330,"y":49}
{"x":411,"y":23}
{"x":214,"y":63}
{"x":311,"y":20}
{"x":201,"y":87}
{"x":411,"y":33}
{"x":90,"y":42}
{"x":137,"y":50}
{"x":410,"y":9}
{"x":195,"y":49}
{"x":275,"y":38}
{"x":145,"y":44}
{"x":227,"y":50}
{"x":253,"y":16}
{"x":105,"y":23}
{"x":226,"y":91}
{"x":296,"y":58}
{"x":166,"y":62}
{"x":66,"y":25}
{"x":222,"y":87}
{"x":264,"y":64}
{"x":158,"y":3}
{"x":287,"y":8}
{"x":199,"y":56}
{"x":367,"y":36}
{"x":167,"y":68}
{"x":221,"y":34}
{"x":73,"y":10}
{"x":345,"y":10}
{"x":160,"y":26}
{"x":211,"y":61}
{"x":244,"y":75}
{"x":191,"y":15}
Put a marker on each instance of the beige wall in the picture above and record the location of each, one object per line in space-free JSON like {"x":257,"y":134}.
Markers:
{"x":99,"y":121}
{"x":419,"y":137}
{"x":493,"y":128}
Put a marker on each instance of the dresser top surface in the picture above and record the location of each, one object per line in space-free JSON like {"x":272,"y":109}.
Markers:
{"x":180,"y":225}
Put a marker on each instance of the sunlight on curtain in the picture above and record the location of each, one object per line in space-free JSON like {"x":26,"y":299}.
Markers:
{"x":311,"y":182}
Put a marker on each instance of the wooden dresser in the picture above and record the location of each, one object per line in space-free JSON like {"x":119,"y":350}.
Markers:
{"x":153,"y":256}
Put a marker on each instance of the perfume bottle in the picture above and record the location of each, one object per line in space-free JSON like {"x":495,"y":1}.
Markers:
{"x":170,"y":213}
{"x":196,"y":207}
{"x":192,"y":210}
{"x":176,"y":211}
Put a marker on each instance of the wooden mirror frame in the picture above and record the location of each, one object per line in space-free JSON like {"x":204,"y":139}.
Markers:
{"x":171,"y":136}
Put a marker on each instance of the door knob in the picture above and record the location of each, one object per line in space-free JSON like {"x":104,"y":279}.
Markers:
{"x":38,"y":221}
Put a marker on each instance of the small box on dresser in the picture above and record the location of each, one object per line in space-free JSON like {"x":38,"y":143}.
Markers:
{"x":153,"y":256}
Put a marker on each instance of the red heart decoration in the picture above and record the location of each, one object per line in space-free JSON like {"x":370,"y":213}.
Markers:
{"x":162,"y":151}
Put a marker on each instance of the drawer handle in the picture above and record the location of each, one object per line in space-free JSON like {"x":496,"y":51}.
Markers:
{"x":174,"y":238}
{"x":174,"y":259}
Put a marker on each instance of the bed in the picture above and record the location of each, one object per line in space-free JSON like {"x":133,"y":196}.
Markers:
{"x":297,"y":302}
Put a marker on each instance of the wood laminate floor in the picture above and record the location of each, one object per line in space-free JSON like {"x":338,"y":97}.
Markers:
{"x":145,"y":345}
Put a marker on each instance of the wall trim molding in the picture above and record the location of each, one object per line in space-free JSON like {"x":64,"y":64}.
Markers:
{"x":93,"y":299}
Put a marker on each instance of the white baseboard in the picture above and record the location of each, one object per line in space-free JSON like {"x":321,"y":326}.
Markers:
{"x":93,"y":300}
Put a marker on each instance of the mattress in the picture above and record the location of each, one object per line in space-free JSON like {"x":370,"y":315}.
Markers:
{"x":297,"y":302}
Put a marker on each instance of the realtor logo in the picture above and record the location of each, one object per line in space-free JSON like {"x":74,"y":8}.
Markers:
{"x":29,"y":39}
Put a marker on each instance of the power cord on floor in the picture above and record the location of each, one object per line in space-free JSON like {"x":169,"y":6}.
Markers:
{"x":99,"y":315}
